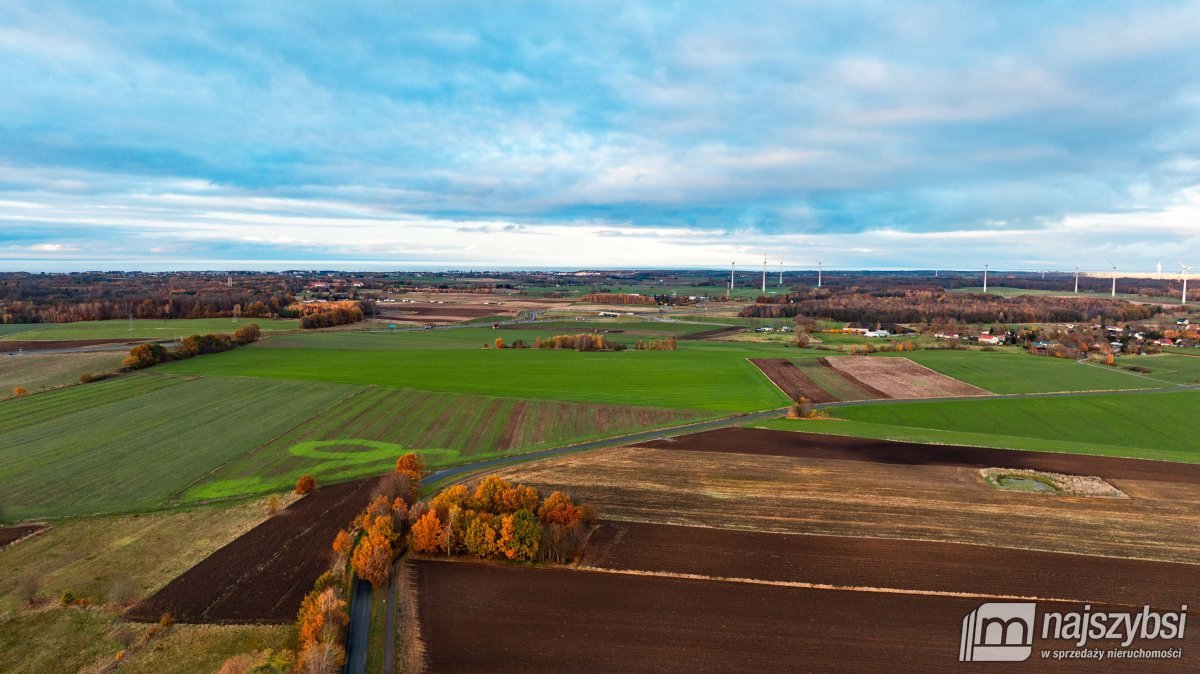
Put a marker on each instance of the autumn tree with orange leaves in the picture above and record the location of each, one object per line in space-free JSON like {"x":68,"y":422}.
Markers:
{"x":372,"y":558}
{"x":411,"y":465}
{"x":428,"y":535}
{"x":305,"y":484}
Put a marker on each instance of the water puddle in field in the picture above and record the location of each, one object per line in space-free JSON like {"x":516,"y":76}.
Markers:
{"x":1025,"y":484}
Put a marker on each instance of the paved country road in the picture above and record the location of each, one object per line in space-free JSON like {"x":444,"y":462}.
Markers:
{"x":359,"y":631}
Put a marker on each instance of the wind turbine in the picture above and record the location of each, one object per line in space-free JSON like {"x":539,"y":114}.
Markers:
{"x":1077,"y":279}
{"x":818,"y":273}
{"x":781,"y":273}
{"x":1183,"y":274}
{"x":764,"y":283}
{"x":985,"y":270}
{"x":1114,"y":285}
{"x":732,"y":267}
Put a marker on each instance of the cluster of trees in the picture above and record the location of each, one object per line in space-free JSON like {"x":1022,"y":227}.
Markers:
{"x":500,"y":520}
{"x":322,"y":625}
{"x":618,"y":298}
{"x":314,"y":315}
{"x":147,"y":355}
{"x":663,"y":344}
{"x":93,"y":296}
{"x":929,"y":304}
{"x":499,"y":343}
{"x":581,"y":342}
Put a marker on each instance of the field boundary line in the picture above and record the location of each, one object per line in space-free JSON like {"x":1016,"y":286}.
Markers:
{"x":803,"y":585}
{"x":943,"y":374}
{"x":259,"y":446}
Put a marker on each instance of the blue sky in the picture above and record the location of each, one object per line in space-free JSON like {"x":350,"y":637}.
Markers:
{"x":482,"y":135}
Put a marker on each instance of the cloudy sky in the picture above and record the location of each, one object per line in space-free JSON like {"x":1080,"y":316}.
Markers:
{"x":150,"y":135}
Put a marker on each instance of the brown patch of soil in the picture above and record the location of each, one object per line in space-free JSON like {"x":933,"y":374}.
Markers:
{"x":926,"y":566}
{"x":708,"y":334}
{"x":791,"y":380}
{"x":261,"y":576}
{"x":33,"y":345}
{"x":10,"y":535}
{"x":569,"y":620}
{"x":902,"y":378}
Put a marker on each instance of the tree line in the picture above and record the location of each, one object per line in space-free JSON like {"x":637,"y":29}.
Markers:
{"x":150,"y":354}
{"x":618,"y":298}
{"x":926,"y":305}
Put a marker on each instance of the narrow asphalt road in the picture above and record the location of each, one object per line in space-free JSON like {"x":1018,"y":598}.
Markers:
{"x":1010,"y":396}
{"x":359,"y":632}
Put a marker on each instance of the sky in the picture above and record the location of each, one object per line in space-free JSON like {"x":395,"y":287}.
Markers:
{"x":462,"y":135}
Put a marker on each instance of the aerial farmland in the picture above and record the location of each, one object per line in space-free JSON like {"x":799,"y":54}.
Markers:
{"x":716,"y":464}
{"x":449,"y":337}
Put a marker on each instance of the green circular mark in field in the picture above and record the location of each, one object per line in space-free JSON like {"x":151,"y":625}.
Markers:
{"x":347,"y":450}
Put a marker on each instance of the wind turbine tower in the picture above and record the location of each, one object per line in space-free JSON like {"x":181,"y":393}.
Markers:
{"x":764,"y":283}
{"x":1114,"y":280}
{"x":732,"y":267}
{"x":781,"y":273}
{"x":985,"y":270}
{"x":1076,"y":279}
{"x":818,"y":273}
{"x":1183,"y":274}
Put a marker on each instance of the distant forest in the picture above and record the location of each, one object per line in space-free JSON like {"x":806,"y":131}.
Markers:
{"x":928,"y":304}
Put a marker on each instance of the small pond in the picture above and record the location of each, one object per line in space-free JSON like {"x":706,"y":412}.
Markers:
{"x":1017,"y":483}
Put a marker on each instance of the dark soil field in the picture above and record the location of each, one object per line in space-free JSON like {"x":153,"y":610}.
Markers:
{"x":817,"y":446}
{"x":9,"y":535}
{"x":923,"y":566}
{"x":31,"y":345}
{"x":572,"y":620}
{"x":709,"y":334}
{"x":262,"y":576}
{"x":442,"y":313}
{"x":791,"y":380}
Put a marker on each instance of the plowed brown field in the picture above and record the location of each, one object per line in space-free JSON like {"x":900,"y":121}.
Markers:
{"x":261,"y":576}
{"x":556,"y":620}
{"x":791,"y":380}
{"x":919,"y":566}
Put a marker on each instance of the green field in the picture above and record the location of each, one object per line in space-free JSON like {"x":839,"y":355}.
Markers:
{"x":363,"y":435}
{"x":135,"y":450}
{"x":144,"y":328}
{"x":699,"y":375}
{"x":1019,"y":372}
{"x":33,"y":371}
{"x":1004,"y":291}
{"x":1142,"y":425}
{"x":1167,"y":368}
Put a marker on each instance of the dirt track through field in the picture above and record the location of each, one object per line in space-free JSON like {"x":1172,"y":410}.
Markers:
{"x":816,"y":446}
{"x":573,"y":620}
{"x":901,"y":565}
{"x":261,"y":576}
{"x":902,"y":378}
